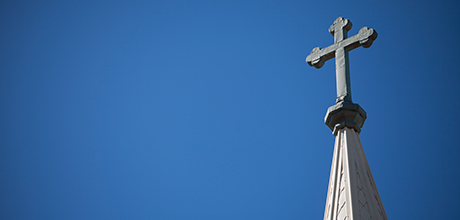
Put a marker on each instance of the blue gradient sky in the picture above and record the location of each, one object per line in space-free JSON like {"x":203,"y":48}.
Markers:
{"x":207,"y":110}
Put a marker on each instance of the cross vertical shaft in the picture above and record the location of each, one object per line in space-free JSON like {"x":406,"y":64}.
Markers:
{"x":339,"y":30}
{"x":342,"y":75}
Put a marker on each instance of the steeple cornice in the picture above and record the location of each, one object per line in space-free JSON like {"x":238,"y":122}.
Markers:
{"x":345,"y":114}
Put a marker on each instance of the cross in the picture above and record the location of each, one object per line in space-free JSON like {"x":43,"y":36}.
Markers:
{"x":339,"y":50}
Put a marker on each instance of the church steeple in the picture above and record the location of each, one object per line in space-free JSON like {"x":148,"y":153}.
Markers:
{"x":352,"y":193}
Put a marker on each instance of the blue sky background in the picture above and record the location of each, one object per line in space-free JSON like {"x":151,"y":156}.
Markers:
{"x":207,"y":109}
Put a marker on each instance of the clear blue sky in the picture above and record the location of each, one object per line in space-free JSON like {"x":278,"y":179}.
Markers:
{"x":176,"y":110}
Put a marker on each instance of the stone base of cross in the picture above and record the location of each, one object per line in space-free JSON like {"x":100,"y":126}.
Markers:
{"x":344,"y":113}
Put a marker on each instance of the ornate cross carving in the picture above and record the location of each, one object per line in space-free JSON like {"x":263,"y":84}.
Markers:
{"x":339,"y":50}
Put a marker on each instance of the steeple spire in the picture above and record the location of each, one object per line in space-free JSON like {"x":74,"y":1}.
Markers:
{"x":352,"y":193}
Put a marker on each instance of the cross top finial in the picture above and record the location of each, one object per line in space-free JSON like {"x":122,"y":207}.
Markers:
{"x":339,"y":50}
{"x":340,"y":24}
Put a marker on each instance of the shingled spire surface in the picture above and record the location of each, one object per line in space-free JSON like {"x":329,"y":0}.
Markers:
{"x":352,"y":193}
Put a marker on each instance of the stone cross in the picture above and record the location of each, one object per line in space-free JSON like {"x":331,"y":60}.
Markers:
{"x":339,"y":50}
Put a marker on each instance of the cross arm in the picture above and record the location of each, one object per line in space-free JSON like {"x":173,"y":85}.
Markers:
{"x":365,"y":38}
{"x":318,"y":56}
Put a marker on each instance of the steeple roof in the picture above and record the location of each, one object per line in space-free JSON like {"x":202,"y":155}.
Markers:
{"x":352,"y":193}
